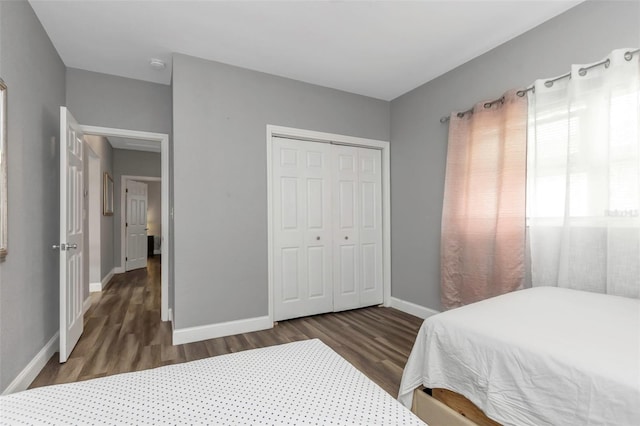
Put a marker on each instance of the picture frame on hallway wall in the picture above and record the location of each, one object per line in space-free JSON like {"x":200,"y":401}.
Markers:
{"x":107,"y":191}
{"x":3,"y":171}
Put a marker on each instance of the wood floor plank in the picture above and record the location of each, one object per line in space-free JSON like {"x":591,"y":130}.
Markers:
{"x":123,"y":333}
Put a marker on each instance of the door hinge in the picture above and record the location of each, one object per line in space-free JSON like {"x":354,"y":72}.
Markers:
{"x":126,"y":258}
{"x":126,"y":224}
{"x":126,"y":190}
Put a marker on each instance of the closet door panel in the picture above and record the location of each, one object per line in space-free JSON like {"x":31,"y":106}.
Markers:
{"x":347,"y":204}
{"x":290,"y":268}
{"x":348,"y":268}
{"x":316,"y":276}
{"x":370,"y":226}
{"x":369,"y":267}
{"x":301,"y":228}
{"x":346,"y":223}
{"x":289,"y":203}
{"x":317,"y":177}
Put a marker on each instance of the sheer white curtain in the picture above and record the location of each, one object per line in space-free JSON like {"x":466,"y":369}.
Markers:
{"x":583,"y":178}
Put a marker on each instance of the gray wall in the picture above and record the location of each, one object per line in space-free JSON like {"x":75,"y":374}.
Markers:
{"x":220,"y":115}
{"x":102,"y":148}
{"x":35,"y":77}
{"x":584,"y":34}
{"x":109,"y":101}
{"x":132,"y":163}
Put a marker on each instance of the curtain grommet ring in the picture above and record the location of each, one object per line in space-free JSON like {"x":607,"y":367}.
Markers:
{"x":607,"y":63}
{"x":548,"y":83}
{"x":487,"y":104}
{"x":628,"y":56}
{"x":582,"y":72}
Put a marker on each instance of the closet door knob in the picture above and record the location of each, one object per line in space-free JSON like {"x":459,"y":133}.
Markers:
{"x":318,"y":238}
{"x":346,"y":237}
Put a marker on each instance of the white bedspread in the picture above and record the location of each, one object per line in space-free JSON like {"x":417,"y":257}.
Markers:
{"x":296,"y":383}
{"x":534,"y":357}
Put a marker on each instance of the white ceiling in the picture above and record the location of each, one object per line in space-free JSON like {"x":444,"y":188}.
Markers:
{"x":380,"y":49}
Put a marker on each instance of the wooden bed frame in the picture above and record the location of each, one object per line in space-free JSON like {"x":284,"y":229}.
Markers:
{"x":447,"y":408}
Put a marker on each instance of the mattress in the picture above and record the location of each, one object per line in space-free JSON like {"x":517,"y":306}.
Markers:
{"x":297,"y":383}
{"x":538,"y":356}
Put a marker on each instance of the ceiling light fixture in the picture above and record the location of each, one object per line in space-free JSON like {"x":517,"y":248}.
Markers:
{"x":157,"y":64}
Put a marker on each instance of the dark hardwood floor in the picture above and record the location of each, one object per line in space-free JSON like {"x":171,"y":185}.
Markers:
{"x":123,"y":332}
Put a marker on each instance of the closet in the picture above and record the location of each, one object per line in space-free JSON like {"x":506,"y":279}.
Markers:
{"x":327,"y":227}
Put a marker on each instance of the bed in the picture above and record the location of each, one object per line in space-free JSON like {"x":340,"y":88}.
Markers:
{"x":296,"y":383}
{"x":537,"y":356}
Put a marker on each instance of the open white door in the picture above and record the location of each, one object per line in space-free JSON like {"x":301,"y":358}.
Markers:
{"x":136,"y":225}
{"x":71,"y":222}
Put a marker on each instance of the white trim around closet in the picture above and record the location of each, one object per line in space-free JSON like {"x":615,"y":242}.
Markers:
{"x":310,"y":135}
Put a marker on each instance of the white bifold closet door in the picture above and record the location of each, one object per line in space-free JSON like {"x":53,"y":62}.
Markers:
{"x":302,"y":228}
{"x":357,"y":229}
{"x":327,"y":228}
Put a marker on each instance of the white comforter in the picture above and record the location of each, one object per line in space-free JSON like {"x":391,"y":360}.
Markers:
{"x":296,"y":383}
{"x":534,"y":357}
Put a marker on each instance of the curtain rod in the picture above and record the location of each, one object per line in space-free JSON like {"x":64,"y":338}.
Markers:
{"x":549,"y":83}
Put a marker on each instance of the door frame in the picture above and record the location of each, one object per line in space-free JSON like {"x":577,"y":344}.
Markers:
{"x":331,"y":138}
{"x":94,"y":215}
{"x":163,"y":140}
{"x":123,"y":213}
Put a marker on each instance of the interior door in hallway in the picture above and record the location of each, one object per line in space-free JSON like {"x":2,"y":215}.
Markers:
{"x":301,"y":228}
{"x":136,"y":225}
{"x":71,"y":233}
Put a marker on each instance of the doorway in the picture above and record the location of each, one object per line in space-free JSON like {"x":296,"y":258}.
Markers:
{"x":162,"y":140}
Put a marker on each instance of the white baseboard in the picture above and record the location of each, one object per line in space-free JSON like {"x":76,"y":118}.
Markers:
{"x":95,"y":287}
{"x":412,"y":308}
{"x":195,"y":334}
{"x":170,"y":315}
{"x":118,"y":270}
{"x":108,"y":277}
{"x":86,"y":305}
{"x":31,"y":371}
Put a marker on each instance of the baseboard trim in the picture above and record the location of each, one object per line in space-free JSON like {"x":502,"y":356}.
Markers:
{"x":170,"y":315}
{"x":86,"y":305}
{"x":107,"y":278}
{"x":31,"y":371}
{"x":412,"y":308}
{"x":118,"y":270}
{"x":95,"y":287}
{"x":195,"y":334}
